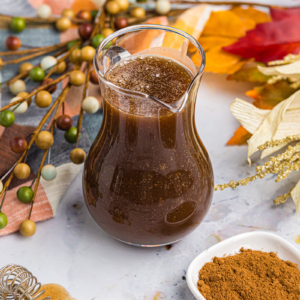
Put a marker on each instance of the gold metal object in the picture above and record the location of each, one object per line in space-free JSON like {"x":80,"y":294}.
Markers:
{"x":17,"y":283}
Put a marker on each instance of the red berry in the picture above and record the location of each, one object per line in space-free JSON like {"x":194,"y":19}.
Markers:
{"x":93,"y":77}
{"x":18,"y":144}
{"x":64,"y":122}
{"x":52,"y":88}
{"x":13,"y":43}
{"x":121,"y":22}
{"x":85,"y":30}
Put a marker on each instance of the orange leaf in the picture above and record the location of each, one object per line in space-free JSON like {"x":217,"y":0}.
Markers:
{"x":240,"y":137}
{"x":269,"y":95}
{"x":208,"y":42}
{"x":251,"y":14}
{"x":227,"y":24}
{"x":190,"y":22}
{"x":219,"y":61}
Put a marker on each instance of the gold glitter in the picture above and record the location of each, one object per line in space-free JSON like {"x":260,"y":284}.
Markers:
{"x":278,"y":142}
{"x":282,"y":165}
{"x":282,"y":199}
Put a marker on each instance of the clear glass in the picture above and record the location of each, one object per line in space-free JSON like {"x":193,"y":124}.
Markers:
{"x":148,"y":179}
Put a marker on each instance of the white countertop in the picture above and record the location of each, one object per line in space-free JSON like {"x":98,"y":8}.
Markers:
{"x":73,"y":251}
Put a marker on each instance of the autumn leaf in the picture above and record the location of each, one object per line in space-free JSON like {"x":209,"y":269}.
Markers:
{"x":269,"y":95}
{"x":227,"y":24}
{"x":279,"y":14}
{"x":219,"y":61}
{"x":141,"y":40}
{"x":209,"y":42}
{"x":249,"y":73}
{"x":269,"y":41}
{"x":240,"y":137}
{"x":251,"y":13}
{"x":191,"y":22}
{"x":224,"y":28}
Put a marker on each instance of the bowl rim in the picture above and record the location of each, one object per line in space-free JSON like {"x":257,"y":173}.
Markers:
{"x":190,"y":271}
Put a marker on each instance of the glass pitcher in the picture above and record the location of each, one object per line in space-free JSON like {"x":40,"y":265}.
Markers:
{"x":148,"y":179}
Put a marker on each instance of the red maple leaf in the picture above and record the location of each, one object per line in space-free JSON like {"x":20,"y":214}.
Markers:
{"x":279,"y":14}
{"x":269,"y":41}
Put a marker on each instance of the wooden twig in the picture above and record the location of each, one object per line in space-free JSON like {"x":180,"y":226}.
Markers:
{"x":25,"y":74}
{"x":38,"y":175}
{"x":50,"y":20}
{"x":28,"y":57}
{"x":43,"y":87}
{"x":35,"y":133}
{"x":32,"y":50}
{"x":79,"y":122}
{"x":62,"y":59}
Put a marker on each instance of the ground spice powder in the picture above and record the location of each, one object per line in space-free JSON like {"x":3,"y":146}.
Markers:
{"x":250,"y":275}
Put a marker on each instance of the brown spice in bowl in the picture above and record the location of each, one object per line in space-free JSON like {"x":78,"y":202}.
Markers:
{"x":250,"y":275}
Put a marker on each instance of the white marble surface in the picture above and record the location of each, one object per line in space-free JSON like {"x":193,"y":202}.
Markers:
{"x":73,"y":251}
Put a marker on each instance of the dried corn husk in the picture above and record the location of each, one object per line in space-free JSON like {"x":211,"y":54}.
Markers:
{"x":268,"y":125}
{"x":290,"y":71}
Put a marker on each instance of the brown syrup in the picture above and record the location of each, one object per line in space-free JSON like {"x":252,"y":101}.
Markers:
{"x":148,"y":178}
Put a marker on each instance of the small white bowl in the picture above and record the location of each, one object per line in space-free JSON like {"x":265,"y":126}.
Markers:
{"x":258,"y":240}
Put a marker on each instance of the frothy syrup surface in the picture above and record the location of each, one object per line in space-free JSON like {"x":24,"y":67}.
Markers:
{"x":158,"y":76}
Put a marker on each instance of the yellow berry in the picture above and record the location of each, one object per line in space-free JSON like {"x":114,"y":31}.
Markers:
{"x":138,"y":12}
{"x":112,"y":7}
{"x":123,"y":4}
{"x":76,"y":78}
{"x":75,"y":56}
{"x":25,"y":67}
{"x":22,"y":171}
{"x":60,"y":67}
{"x":27,"y":228}
{"x":87,"y":53}
{"x":44,"y":140}
{"x":107,"y":31}
{"x":77,"y":156}
{"x":69,"y":13}
{"x":63,"y":24}
{"x":43,"y":99}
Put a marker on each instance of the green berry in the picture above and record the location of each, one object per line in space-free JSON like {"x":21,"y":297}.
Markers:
{"x":94,"y":13}
{"x":25,"y":194}
{"x":108,"y":45}
{"x":17,"y":24}
{"x":97,"y":39}
{"x":71,"y":44}
{"x":37,"y":74}
{"x":7,"y":118}
{"x":71,"y":135}
{"x":3,"y":220}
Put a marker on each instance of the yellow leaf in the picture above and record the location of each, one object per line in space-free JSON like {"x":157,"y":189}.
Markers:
{"x":208,"y":42}
{"x":227,"y":24}
{"x":251,"y":14}
{"x":219,"y":61}
{"x":192,"y":21}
